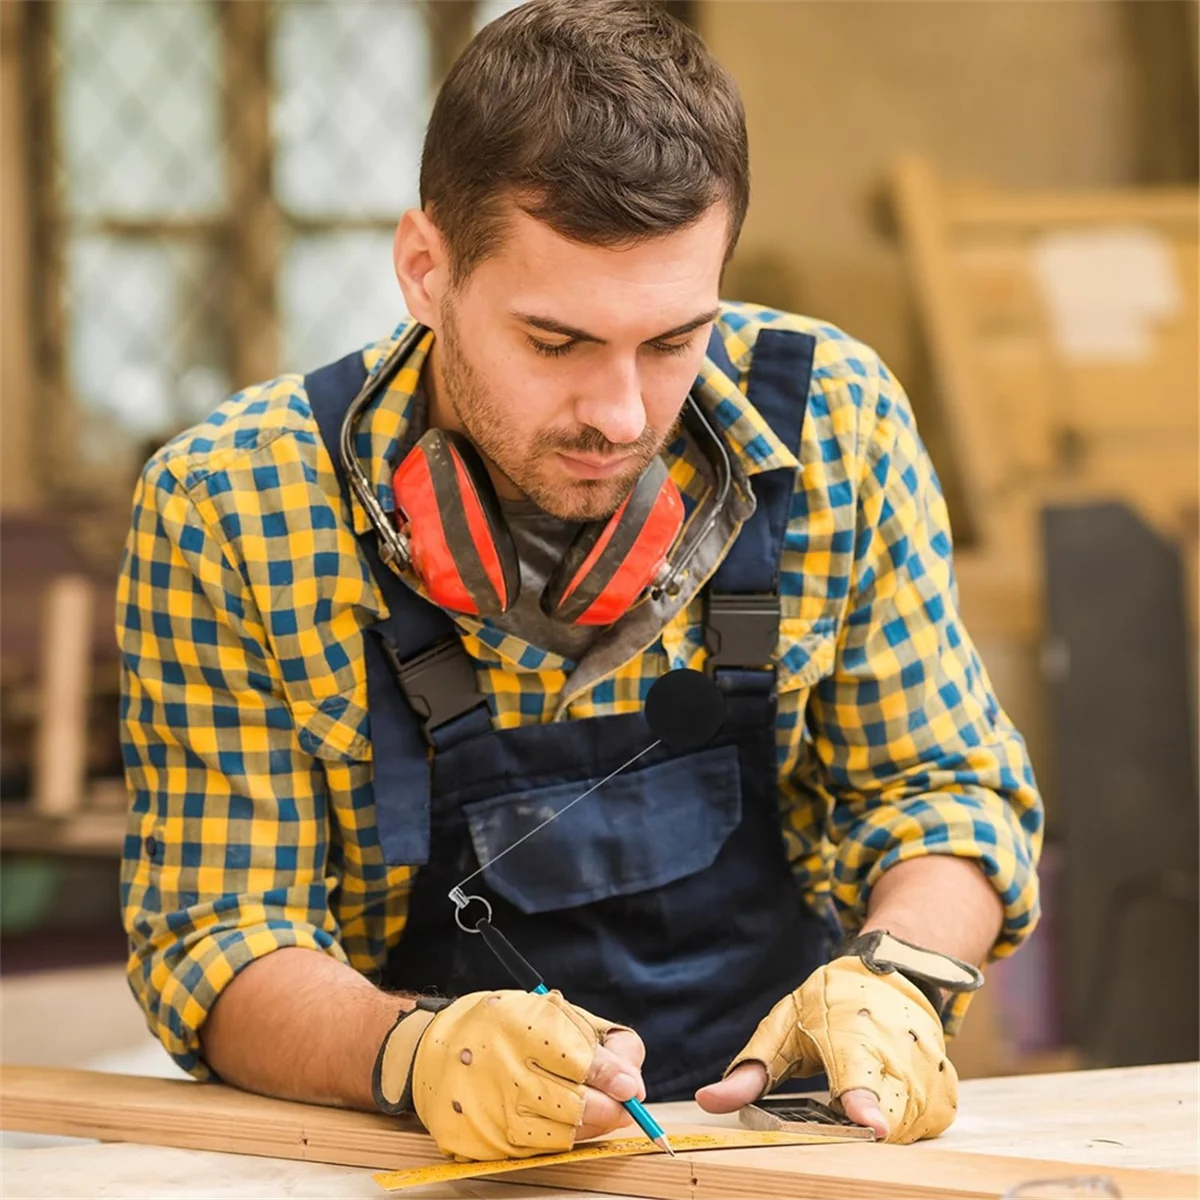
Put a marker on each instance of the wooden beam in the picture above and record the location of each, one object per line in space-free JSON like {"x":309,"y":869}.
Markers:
{"x":1162,"y":71}
{"x":451,"y":27}
{"x":968,"y":210}
{"x":113,"y":226}
{"x":64,"y":685}
{"x":18,"y":484}
{"x":254,"y":214}
{"x":961,"y":404}
{"x":214,"y":1117}
{"x":55,"y":454}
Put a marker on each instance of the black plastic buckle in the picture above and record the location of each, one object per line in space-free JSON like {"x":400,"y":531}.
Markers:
{"x":439,"y":682}
{"x":741,"y":631}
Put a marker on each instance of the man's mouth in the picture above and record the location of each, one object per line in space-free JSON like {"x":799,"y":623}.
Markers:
{"x":590,"y":466}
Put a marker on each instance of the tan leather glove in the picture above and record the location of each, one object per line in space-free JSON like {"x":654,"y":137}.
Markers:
{"x":491,"y":1074}
{"x":868,"y":1026}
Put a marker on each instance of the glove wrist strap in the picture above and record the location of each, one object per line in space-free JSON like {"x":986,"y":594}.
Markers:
{"x":398,"y":1053}
{"x":930,"y":971}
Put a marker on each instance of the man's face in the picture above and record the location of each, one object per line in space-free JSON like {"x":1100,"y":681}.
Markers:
{"x":567,"y":364}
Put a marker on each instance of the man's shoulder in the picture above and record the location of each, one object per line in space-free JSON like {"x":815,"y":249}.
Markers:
{"x":838,"y":357}
{"x":274,"y":413}
{"x":244,"y":424}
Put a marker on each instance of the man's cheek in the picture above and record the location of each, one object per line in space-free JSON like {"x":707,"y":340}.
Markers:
{"x":662,"y":410}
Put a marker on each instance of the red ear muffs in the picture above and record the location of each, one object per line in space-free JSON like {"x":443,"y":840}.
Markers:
{"x":610,"y":563}
{"x":463,"y":550}
{"x":460,"y":544}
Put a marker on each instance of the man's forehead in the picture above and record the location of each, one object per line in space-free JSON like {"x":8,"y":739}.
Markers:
{"x":522,"y":233}
{"x":651,"y":286}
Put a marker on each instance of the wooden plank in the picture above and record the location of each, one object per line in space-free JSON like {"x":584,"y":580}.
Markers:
{"x":99,"y":833}
{"x":185,"y":1114}
{"x":1120,"y":1116}
{"x":63,"y":685}
{"x":170,"y":1112}
{"x":1131,"y":1117}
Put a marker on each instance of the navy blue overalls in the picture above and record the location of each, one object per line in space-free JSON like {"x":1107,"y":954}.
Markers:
{"x":665,"y":901}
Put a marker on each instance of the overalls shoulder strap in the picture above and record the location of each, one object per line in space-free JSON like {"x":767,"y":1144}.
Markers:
{"x":743,"y":612}
{"x":416,"y":647}
{"x":330,"y":391}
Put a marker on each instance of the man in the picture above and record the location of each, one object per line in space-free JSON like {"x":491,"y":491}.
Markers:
{"x":381,"y":622}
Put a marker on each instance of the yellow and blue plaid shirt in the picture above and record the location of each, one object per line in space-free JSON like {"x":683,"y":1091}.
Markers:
{"x":242,"y":601}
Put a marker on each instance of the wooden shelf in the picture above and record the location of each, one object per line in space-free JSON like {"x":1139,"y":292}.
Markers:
{"x":78,"y":833}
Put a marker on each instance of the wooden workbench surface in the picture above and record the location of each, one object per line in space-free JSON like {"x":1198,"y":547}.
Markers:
{"x":1134,"y":1117}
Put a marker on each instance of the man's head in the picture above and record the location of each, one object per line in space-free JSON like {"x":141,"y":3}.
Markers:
{"x":583,"y":183}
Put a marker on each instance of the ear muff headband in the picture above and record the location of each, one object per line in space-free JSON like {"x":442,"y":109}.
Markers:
{"x":443,"y":490}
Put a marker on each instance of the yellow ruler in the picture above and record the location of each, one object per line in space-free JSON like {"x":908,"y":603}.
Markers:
{"x":719,"y":1139}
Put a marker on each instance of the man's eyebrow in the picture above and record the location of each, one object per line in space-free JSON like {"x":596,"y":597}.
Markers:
{"x":550,"y":325}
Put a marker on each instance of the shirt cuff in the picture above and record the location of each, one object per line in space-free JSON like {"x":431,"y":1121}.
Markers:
{"x":189,"y":983}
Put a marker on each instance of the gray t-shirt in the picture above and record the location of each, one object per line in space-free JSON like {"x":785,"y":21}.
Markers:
{"x":541,"y":542}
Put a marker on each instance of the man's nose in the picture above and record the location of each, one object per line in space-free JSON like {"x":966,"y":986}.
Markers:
{"x":614,"y":404}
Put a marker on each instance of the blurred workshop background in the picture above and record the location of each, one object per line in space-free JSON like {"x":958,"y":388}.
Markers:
{"x":1001,"y":197}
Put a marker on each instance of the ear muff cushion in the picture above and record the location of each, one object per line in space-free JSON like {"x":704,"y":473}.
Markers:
{"x":461,"y":545}
{"x":610,"y":563}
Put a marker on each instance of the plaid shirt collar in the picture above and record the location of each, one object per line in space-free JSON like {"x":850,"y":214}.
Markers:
{"x":385,"y":427}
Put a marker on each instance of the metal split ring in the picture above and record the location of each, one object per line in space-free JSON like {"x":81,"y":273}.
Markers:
{"x":461,"y":902}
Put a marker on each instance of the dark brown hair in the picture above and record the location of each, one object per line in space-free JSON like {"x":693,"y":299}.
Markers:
{"x":607,"y":119}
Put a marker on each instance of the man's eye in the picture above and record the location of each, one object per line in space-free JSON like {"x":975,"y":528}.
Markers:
{"x":551,"y":349}
{"x":670,"y":347}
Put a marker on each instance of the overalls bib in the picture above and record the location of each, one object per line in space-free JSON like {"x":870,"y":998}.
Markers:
{"x":664,"y":901}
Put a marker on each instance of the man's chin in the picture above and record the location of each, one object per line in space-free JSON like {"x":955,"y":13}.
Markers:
{"x":580,"y":500}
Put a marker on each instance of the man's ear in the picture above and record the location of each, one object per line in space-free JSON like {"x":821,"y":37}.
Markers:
{"x":422,"y":266}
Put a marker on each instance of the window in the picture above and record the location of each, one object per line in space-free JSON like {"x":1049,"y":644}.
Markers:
{"x":353,"y":85}
{"x":215,"y":186}
{"x":141,"y":192}
{"x":216,"y":191}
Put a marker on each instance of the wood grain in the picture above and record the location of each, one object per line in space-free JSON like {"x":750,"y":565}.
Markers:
{"x":189,"y":1115}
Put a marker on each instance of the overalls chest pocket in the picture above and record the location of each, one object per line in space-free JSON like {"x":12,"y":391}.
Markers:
{"x":642,"y":830}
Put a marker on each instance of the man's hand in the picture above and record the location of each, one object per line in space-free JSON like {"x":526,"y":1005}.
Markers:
{"x":875,"y":1036}
{"x":509,"y":1074}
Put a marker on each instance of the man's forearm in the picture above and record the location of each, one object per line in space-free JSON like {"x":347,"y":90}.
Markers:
{"x":302,"y":1026}
{"x":939,"y":902}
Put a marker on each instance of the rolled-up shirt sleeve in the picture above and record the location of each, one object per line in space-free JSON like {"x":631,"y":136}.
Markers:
{"x":913,"y":752}
{"x":225,"y":855}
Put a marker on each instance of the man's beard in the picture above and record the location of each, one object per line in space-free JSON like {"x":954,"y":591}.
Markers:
{"x":483,"y":418}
